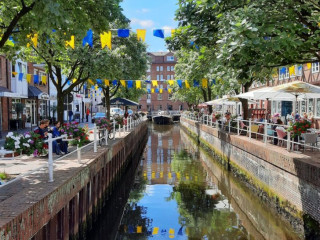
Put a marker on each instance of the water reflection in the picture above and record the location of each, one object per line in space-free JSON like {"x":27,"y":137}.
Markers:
{"x":180,"y":193}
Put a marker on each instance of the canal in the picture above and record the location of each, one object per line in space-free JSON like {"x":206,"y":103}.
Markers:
{"x":178,"y":191}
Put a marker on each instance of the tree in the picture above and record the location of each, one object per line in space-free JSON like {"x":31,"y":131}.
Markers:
{"x":21,"y":18}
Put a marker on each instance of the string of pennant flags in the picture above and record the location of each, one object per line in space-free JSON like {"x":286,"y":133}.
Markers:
{"x":105,"y":37}
{"x":125,"y":83}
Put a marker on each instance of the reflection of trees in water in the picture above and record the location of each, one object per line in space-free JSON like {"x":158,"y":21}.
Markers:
{"x":134,"y":214}
{"x":156,"y":128}
{"x":198,"y":213}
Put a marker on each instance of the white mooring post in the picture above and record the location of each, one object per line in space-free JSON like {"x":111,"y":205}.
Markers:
{"x":95,"y":138}
{"x":50,"y":159}
{"x":288,"y":142}
{"x":249,"y":128}
{"x":79,"y":154}
{"x":114,"y":129}
{"x":265,"y":131}
{"x":119,"y":130}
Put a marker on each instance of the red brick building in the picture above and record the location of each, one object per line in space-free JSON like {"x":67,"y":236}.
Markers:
{"x":161,"y":69}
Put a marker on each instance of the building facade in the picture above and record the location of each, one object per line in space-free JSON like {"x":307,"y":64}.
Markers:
{"x":309,"y":73}
{"x":161,"y":69}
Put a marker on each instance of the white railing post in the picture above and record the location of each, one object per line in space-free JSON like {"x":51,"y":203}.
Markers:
{"x":211,"y":120}
{"x":265,"y":131}
{"x":229,"y":126}
{"x":106,"y":136}
{"x":130,"y":122}
{"x":114,"y":129}
{"x":50,"y":157}
{"x":249,"y":128}
{"x":95,"y":138}
{"x":119,"y":129}
{"x":288,"y":142}
{"x":238,"y":126}
{"x":79,"y":153}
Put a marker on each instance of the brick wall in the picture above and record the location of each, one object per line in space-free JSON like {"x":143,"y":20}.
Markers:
{"x":294,"y":178}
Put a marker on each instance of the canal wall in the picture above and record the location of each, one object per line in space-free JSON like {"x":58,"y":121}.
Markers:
{"x":288,"y":182}
{"x":69,"y":207}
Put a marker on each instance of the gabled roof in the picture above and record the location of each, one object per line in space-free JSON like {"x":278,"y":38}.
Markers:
{"x":159,"y":54}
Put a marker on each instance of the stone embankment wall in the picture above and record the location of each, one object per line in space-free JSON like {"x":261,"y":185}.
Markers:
{"x":68,"y":207}
{"x":288,"y":181}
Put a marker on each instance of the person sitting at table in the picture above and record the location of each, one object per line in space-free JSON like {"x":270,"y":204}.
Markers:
{"x":275,"y":128}
{"x":42,"y":130}
{"x":311,"y":119}
{"x":56,"y":133}
{"x":305,"y":116}
{"x":227,"y":118}
{"x":297,"y":117}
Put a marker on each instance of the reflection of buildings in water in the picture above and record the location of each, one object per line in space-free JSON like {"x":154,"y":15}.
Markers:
{"x":161,"y":146}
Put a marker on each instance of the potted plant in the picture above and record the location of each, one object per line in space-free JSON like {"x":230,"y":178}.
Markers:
{"x":299,"y":127}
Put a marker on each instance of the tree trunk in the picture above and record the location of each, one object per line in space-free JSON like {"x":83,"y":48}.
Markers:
{"x":244,"y":102}
{"x":209,"y":99}
{"x":60,"y":106}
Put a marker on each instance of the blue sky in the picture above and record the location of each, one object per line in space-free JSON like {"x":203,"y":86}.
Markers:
{"x":151,"y":14}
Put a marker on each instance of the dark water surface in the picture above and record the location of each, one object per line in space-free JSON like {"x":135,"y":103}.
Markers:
{"x":180,"y":192}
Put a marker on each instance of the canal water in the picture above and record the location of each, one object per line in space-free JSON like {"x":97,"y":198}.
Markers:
{"x":178,"y":191}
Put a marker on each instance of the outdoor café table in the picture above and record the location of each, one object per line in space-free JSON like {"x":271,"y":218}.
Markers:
{"x":3,"y":152}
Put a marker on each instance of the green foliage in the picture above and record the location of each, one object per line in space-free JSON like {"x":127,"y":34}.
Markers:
{"x":3,"y":176}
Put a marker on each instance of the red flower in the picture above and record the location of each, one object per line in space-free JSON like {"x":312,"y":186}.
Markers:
{"x":87,"y":138}
{"x":45,"y":146}
{"x":294,"y":127}
{"x":306,"y":125}
{"x":302,"y":131}
{"x":299,"y":129}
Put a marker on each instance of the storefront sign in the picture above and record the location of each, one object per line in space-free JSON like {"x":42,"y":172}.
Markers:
{"x":43,"y":96}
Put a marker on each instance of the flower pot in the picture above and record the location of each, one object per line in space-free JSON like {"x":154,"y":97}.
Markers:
{"x":15,"y":154}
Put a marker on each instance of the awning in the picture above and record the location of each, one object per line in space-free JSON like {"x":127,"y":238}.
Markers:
{"x":5,"y":92}
{"x":123,"y":102}
{"x":34,"y":92}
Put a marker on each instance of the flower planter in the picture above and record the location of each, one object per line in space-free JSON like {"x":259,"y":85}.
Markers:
{"x":9,"y":155}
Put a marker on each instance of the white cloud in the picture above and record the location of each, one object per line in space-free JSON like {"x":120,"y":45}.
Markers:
{"x":142,"y":23}
{"x":143,"y":10}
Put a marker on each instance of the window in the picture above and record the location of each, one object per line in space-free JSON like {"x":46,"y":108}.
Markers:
{"x":168,"y":68}
{"x":310,"y":106}
{"x":149,"y":77}
{"x":303,"y":107}
{"x":169,"y":96}
{"x":318,"y":107}
{"x":161,"y":78}
{"x":158,"y":68}
{"x":172,"y":68}
{"x":13,"y":68}
{"x":148,"y":86}
{"x":160,"y":107}
{"x":159,"y":96}
{"x":149,"y":68}
{"x":158,"y":77}
{"x":170,"y":108}
{"x":148,"y":96}
{"x":14,"y":101}
{"x":283,"y":73}
{"x":315,"y":67}
{"x":299,"y":69}
{"x":170,"y":58}
{"x":161,"y":68}
{"x":168,"y":77}
{"x":161,"y":86}
{"x":172,"y":77}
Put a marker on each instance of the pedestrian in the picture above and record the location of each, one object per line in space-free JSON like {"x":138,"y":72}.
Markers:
{"x":70,"y":115}
{"x":88,"y":113}
{"x":56,"y":133}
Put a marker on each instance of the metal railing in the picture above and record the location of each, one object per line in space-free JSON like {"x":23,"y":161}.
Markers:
{"x":130,"y":125}
{"x":255,"y":129}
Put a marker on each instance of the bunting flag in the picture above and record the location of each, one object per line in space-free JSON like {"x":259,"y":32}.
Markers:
{"x":204,"y":82}
{"x":152,"y":90}
{"x":36,"y":79}
{"x":139,"y":229}
{"x":99,"y":81}
{"x":187,"y":84}
{"x":124,"y":33}
{"x":34,"y":40}
{"x":149,"y":90}
{"x":84,"y":86}
{"x":141,"y":34}
{"x":169,"y":90}
{"x":283,"y":70}
{"x":157,"y":90}
{"x":44,"y":79}
{"x":14,"y":73}
{"x":158,"y":33}
{"x":292,"y":70}
{"x":20,"y":77}
{"x":138,"y":84}
{"x":69,"y":82}
{"x":309,"y":65}
{"x":106,"y":82}
{"x":96,"y":87}
{"x":213,"y":82}
{"x":161,"y":90}
{"x":179,"y":83}
{"x":123,"y":82}
{"x":90,"y":82}
{"x":28,"y":78}
{"x":154,"y":83}
{"x":105,"y":39}
{"x":88,"y":39}
{"x":171,"y":82}
{"x":173,"y":31}
{"x":114,"y":82}
{"x":130,"y":84}
{"x":195,"y":83}
{"x":155,"y":231}
{"x":71,"y":42}
{"x":171,"y":231}
{"x":74,"y":80}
